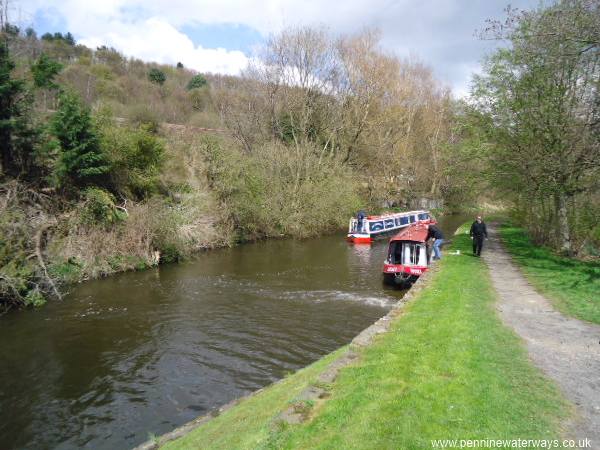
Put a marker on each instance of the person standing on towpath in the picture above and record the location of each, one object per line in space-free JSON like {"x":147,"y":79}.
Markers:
{"x":438,"y":239}
{"x":478,"y":233}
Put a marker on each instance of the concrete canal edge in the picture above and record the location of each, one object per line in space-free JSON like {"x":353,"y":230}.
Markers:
{"x":292,"y":415}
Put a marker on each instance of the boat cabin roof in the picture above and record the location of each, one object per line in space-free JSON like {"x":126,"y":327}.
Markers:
{"x":417,"y":232}
{"x":387,"y":215}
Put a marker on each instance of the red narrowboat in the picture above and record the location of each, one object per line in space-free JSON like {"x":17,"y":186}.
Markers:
{"x":408,"y":256}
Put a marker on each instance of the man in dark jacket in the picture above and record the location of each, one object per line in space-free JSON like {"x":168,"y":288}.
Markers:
{"x":360,"y":219}
{"x":478,"y":234}
{"x":438,"y":239}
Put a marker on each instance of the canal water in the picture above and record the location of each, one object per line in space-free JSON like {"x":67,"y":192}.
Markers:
{"x":142,"y":353}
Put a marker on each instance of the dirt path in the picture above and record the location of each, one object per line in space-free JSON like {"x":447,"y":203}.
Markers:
{"x":566,"y":349}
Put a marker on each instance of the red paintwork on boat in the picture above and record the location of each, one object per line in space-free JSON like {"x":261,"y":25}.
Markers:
{"x":400,"y":268}
{"x":360,"y":239}
{"x":416,"y":232}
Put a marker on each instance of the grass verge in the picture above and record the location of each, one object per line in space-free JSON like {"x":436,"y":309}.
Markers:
{"x":447,"y":369}
{"x":572,"y":285}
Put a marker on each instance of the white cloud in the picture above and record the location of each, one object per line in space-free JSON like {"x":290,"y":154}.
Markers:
{"x":156,"y":40}
{"x":439,"y":31}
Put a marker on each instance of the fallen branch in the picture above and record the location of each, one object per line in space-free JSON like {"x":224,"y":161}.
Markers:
{"x":38,"y":252}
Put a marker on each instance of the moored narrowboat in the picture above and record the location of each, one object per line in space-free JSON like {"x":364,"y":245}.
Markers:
{"x":408,"y":256}
{"x":363,"y":229}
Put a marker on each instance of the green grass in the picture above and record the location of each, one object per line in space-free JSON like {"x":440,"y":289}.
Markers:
{"x":447,"y":369}
{"x":572,"y":285}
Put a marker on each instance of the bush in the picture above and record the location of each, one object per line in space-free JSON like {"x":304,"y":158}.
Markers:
{"x":185,"y":226}
{"x":196,"y":82}
{"x":99,"y":208}
{"x":136,"y":157}
{"x":21,"y":279}
{"x":157,"y":76}
{"x":282,"y":191}
{"x":200,"y":98}
{"x":141,"y":115}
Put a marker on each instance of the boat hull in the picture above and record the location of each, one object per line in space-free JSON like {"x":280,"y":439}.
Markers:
{"x":359,"y":239}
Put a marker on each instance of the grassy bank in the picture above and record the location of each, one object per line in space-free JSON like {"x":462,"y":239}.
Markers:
{"x":572,"y":285}
{"x":447,"y":369}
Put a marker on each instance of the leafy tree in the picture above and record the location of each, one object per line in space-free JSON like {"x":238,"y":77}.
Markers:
{"x":536,"y":103}
{"x":44,"y":70}
{"x":197,"y":82}
{"x":18,"y":137}
{"x":47,"y":37}
{"x":157,"y":76}
{"x":81,"y":162}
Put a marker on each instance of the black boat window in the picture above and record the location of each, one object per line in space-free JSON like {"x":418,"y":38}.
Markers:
{"x":413,"y":219}
{"x":404,"y":220}
{"x":389,"y":223}
{"x":423,"y":216}
{"x":395,"y":253}
{"x":376,"y":226}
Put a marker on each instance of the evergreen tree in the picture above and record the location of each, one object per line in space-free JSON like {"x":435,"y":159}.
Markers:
{"x":17,"y":135}
{"x":157,"y":76}
{"x":69,"y":39}
{"x":81,"y":161}
{"x":196,"y":82}
{"x":44,"y":70}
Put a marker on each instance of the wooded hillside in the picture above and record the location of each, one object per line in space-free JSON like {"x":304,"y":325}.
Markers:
{"x":106,"y":163}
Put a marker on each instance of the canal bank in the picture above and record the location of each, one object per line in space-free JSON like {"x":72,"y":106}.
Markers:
{"x":142,"y":353}
{"x":446,"y":369}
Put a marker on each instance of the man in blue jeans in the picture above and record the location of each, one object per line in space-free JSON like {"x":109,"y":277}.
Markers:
{"x":438,"y":239}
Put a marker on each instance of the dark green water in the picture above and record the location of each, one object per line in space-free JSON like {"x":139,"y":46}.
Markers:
{"x":145,"y":352}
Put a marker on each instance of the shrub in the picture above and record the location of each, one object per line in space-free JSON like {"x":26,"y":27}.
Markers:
{"x":136,"y":157}
{"x":282,"y":191}
{"x":141,"y":115}
{"x":21,"y":279}
{"x":157,"y":76}
{"x":197,"y":82}
{"x":17,"y":271}
{"x":99,"y":208}
{"x":200,"y":98}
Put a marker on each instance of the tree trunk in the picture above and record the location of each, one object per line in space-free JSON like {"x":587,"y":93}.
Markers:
{"x":564,"y":232}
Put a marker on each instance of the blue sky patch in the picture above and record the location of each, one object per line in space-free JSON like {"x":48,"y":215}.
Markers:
{"x":48,"y":21}
{"x":228,"y":36}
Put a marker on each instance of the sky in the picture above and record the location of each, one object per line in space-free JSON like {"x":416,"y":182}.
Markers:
{"x":220,"y":36}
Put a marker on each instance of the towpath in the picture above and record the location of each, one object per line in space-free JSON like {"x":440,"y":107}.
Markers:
{"x":564,"y":348}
